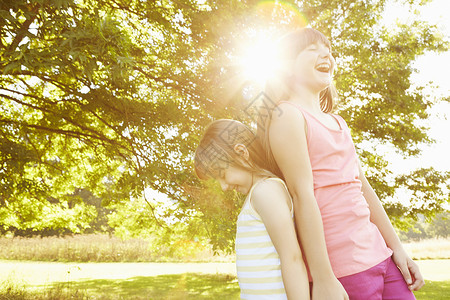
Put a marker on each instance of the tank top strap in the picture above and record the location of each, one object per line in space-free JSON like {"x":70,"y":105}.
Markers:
{"x":309,"y":117}
{"x":248,"y":202}
{"x":305,"y":113}
{"x":341,"y":121}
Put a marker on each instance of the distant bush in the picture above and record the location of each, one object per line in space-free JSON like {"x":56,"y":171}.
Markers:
{"x":439,"y":227}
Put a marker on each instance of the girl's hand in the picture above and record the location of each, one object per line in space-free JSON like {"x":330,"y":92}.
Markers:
{"x":332,"y":290}
{"x":409,"y":269}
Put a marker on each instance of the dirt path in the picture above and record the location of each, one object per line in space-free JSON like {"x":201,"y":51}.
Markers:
{"x":42,"y":273}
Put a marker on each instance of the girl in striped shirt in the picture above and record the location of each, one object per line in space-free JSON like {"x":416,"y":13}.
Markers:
{"x":268,"y":257}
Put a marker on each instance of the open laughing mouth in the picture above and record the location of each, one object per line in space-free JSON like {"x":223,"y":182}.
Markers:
{"x":323,"y":67}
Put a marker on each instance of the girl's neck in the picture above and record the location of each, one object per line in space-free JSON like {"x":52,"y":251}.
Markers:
{"x":306,"y":98}
{"x":257,"y":177}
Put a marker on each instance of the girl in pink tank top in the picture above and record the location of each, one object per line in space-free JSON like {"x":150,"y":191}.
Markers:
{"x":345,"y":234}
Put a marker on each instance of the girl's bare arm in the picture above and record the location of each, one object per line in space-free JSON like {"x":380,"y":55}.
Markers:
{"x":289,"y":146}
{"x":271,"y":200}
{"x":378,"y":216}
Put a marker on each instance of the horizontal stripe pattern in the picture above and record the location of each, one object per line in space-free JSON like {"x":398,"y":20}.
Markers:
{"x":275,"y":294}
{"x":252,"y":268}
{"x":266,"y":292}
{"x":250,"y":234}
{"x":257,"y":261}
{"x":265,"y":244}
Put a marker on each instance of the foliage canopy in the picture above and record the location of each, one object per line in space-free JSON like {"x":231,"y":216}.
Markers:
{"x":111,"y":97}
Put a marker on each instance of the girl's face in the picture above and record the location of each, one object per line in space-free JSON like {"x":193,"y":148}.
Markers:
{"x":236,"y":178}
{"x":313,"y":67}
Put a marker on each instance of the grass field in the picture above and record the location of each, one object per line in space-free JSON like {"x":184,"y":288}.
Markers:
{"x":46,"y":280}
{"x":429,"y":249}
{"x":215,"y":279}
{"x":174,"y":286}
{"x":103,"y":248}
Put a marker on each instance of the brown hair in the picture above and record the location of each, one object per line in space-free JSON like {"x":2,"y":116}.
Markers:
{"x":278,"y":88}
{"x":215,"y":151}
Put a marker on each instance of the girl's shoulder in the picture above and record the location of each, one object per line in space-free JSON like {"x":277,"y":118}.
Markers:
{"x":287,"y":106}
{"x":287,"y":113}
{"x":268,"y":183}
{"x":270,"y":189}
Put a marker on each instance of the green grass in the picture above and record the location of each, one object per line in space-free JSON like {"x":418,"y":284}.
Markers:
{"x":434,"y":290}
{"x":181,"y":286}
{"x":79,"y":281}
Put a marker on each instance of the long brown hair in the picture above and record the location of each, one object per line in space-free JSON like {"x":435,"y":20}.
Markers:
{"x":278,"y":87}
{"x":215,"y":151}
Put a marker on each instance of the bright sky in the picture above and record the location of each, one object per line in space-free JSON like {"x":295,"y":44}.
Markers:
{"x":436,"y":68}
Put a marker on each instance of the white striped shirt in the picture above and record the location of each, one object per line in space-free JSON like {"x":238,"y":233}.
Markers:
{"x":257,"y":261}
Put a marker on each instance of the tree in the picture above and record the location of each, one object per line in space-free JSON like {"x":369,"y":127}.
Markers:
{"x":437,"y":227}
{"x":440,"y":226}
{"x":111,"y":97}
{"x":91,"y":92}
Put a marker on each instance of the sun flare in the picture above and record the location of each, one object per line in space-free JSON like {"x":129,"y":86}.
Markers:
{"x":259,"y":60}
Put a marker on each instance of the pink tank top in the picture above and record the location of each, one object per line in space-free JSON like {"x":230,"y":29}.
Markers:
{"x":354,"y":243}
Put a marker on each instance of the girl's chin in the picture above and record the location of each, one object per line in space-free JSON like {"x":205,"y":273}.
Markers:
{"x":323,"y":78}
{"x":319,"y":82}
{"x":324,"y":81}
{"x":323,"y":84}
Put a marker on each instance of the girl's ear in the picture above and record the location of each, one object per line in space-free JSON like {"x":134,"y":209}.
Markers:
{"x":241,"y":150}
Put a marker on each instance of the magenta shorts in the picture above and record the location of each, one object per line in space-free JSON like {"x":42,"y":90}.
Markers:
{"x":381,"y":282}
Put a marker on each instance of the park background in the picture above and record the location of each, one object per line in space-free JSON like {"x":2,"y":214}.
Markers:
{"x":103,"y":103}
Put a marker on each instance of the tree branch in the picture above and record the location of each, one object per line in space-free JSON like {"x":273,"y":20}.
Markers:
{"x":23,"y":28}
